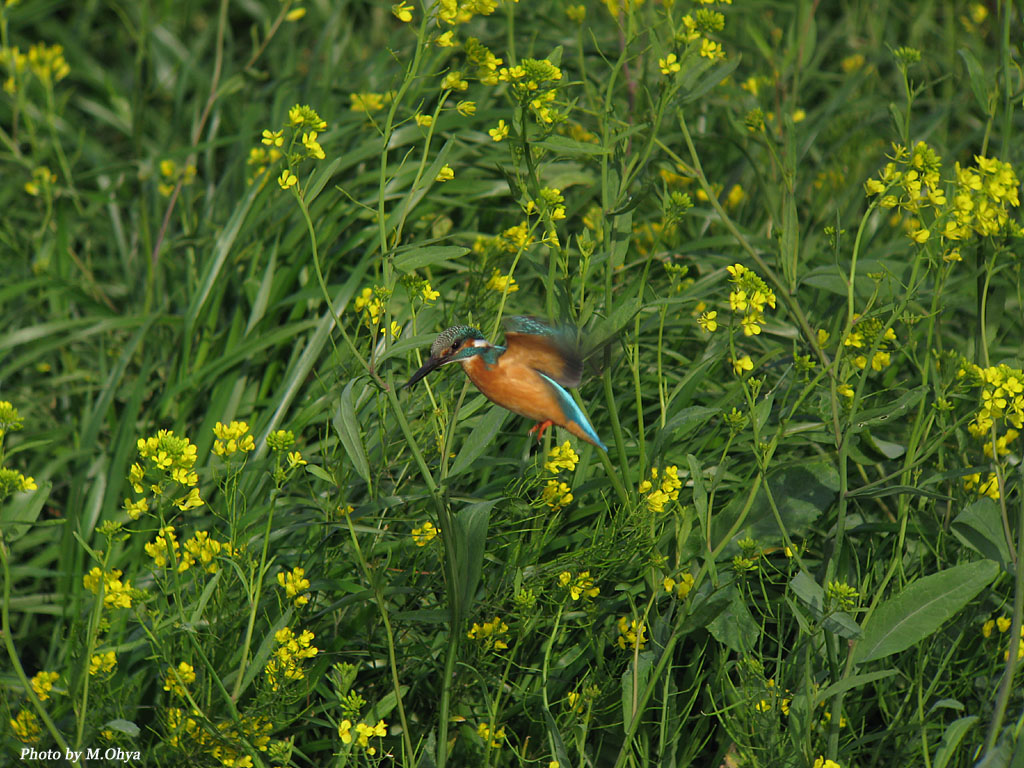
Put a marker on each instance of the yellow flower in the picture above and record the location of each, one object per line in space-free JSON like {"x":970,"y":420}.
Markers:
{"x":429,"y":294}
{"x":295,"y":584}
{"x":26,"y":727}
{"x":454,"y":81}
{"x":711,"y":50}
{"x":821,"y":762}
{"x":708,"y":321}
{"x":742,"y":364}
{"x":186,"y":673}
{"x":500,"y":133}
{"x":270,"y":138}
{"x":287,"y":179}
{"x":424,"y":534}
{"x":446,"y":40}
{"x":632,"y":634}
{"x":232,"y":438}
{"x":490,"y":634}
{"x":402,"y":12}
{"x":576,"y":13}
{"x":500,"y":282}
{"x":313,"y":148}
{"x":42,"y":684}
{"x":466,"y":108}
{"x":561,"y":457}
{"x":669,"y":65}
{"x":445,"y":174}
{"x":102,"y":663}
{"x":345,"y":731}
{"x":424,"y":121}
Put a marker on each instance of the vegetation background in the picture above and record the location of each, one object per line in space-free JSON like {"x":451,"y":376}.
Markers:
{"x":789,"y":235}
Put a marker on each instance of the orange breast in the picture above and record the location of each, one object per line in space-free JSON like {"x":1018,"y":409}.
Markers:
{"x":516,"y":387}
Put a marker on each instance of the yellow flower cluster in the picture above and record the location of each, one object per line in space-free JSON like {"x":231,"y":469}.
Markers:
{"x":25,"y":726}
{"x":116,"y":594}
{"x":748,"y":298}
{"x":177,"y":680}
{"x":424,"y":534}
{"x":46,"y":62}
{"x":556,"y":495}
{"x":42,"y":683}
{"x":165,"y":550}
{"x":364,"y":733}
{"x":166,"y":458}
{"x":501,"y":283}
{"x":632,"y":634}
{"x":680,"y":587}
{"x":490,"y":634}
{"x":533,"y":85}
{"x":821,"y":762}
{"x":987,"y":487}
{"x":999,"y":418}
{"x":868,"y":332}
{"x":454,"y":12}
{"x":911,"y":182}
{"x":171,"y":175}
{"x":369,"y":102}
{"x":666,"y":491}
{"x":292,"y":650}
{"x":232,"y":438}
{"x":102,"y":663}
{"x":579,"y":586}
{"x":185,"y":733}
{"x":1002,"y":624}
{"x":12,"y":481}
{"x":371,"y":306}
{"x":561,"y":457}
{"x":294,"y":583}
{"x":496,"y":738}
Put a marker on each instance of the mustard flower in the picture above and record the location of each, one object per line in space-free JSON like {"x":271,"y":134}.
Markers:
{"x":273,"y":138}
{"x":500,"y":282}
{"x":365,"y":732}
{"x":116,"y":594}
{"x":287,"y":179}
{"x":232,"y":438}
{"x":42,"y":179}
{"x":367,"y":101}
{"x":295,"y":584}
{"x":424,"y":534}
{"x":711,"y":50}
{"x":576,"y":13}
{"x":292,"y":650}
{"x":102,"y":663}
{"x":466,"y":108}
{"x":313,"y":148}
{"x":304,"y":116}
{"x":202,"y":549}
{"x":429,"y":294}
{"x":345,"y":731}
{"x":561,"y":457}
{"x":446,"y":40}
{"x":280,"y":440}
{"x":580,"y":586}
{"x":821,"y":762}
{"x":632,"y":634}
{"x":669,"y":65}
{"x":136,"y":509}
{"x":556,"y":495}
{"x":496,"y":738}
{"x":295,"y":14}
{"x":490,"y":634}
{"x":445,"y":174}
{"x":42,"y":683}
{"x":500,"y":133}
{"x":402,"y":11}
{"x":295,"y":460}
{"x":708,"y":321}
{"x":454,"y":81}
{"x":741,"y":365}
{"x":681,"y":588}
{"x":25,"y":726}
{"x":176,"y":680}
{"x":424,"y":121}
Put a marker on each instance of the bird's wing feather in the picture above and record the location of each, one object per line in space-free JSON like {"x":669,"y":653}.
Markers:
{"x":550,"y":351}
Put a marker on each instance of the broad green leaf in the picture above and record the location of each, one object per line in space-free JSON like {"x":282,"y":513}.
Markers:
{"x":21,"y":510}
{"x":951,"y":739}
{"x":641,"y":671}
{"x":980,"y":527}
{"x":347,"y":427}
{"x":417,"y":258}
{"x":921,"y":609}
{"x":481,"y":437}
{"x":978,"y":79}
{"x":470,"y":542}
{"x":735,"y":627}
{"x":850,"y":683}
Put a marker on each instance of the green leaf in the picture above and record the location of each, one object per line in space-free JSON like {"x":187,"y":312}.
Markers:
{"x":126,"y":727}
{"x":563,"y":145}
{"x":20,"y":511}
{"x":888,"y":412}
{"x":470,"y":532}
{"x":347,"y":427}
{"x":980,"y":527}
{"x":481,"y":437}
{"x":417,"y":258}
{"x":921,"y":609}
{"x":951,"y":739}
{"x":978,"y":79}
{"x":735,"y":627}
{"x":641,"y":670}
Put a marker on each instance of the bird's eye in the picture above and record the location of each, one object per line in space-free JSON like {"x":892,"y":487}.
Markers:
{"x":455,"y":347}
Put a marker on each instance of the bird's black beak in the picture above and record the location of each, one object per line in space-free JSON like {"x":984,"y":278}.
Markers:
{"x":427,"y":367}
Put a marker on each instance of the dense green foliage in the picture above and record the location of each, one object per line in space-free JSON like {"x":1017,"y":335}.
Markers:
{"x":789,"y":237}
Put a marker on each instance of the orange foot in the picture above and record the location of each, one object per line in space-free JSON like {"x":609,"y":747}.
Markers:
{"x":539,"y":428}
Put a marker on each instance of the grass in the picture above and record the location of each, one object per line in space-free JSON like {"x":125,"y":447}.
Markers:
{"x":789,"y":238}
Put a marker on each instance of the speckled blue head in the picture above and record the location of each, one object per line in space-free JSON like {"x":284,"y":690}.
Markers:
{"x":451,"y":345}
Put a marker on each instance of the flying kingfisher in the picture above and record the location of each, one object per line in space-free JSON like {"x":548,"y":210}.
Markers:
{"x":527,"y":376}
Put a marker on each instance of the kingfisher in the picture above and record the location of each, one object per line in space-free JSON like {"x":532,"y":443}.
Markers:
{"x":527,"y":376}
